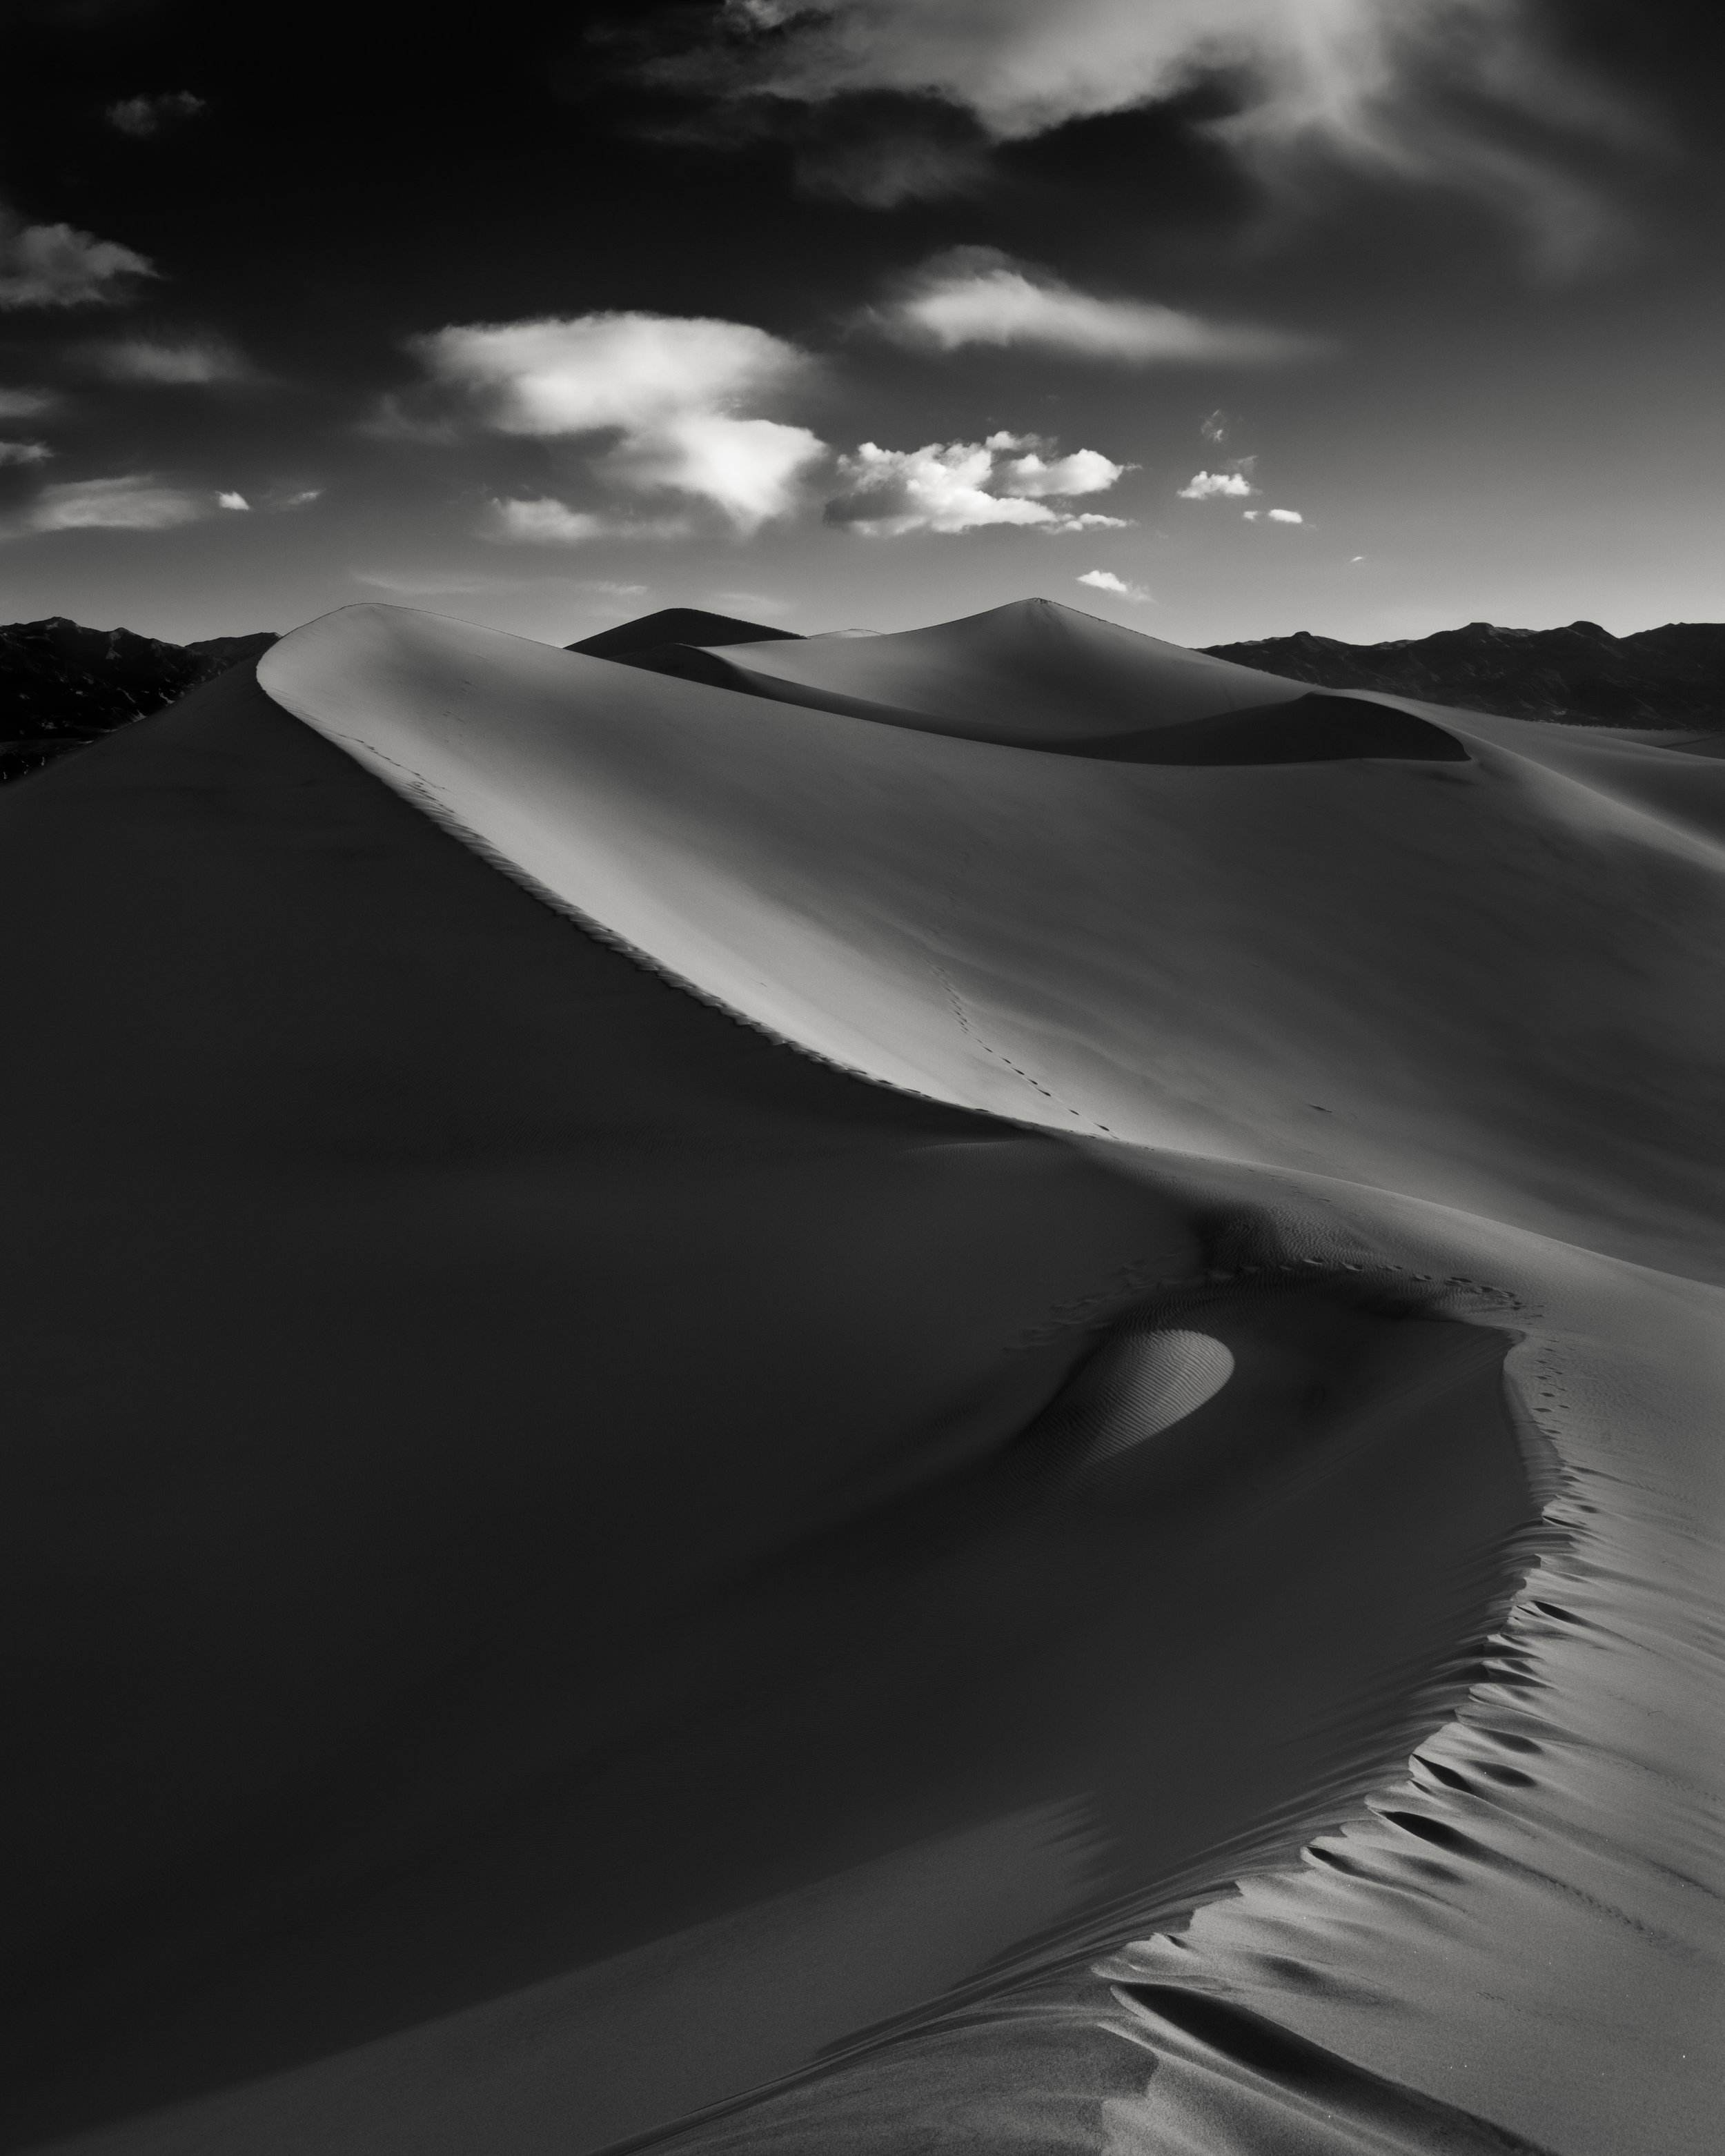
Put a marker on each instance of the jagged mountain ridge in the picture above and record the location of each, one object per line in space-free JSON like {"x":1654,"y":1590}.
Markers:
{"x":63,"y":685}
{"x":1582,"y":676}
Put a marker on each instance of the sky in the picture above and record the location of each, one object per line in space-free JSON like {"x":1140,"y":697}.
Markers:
{"x":1218,"y":318}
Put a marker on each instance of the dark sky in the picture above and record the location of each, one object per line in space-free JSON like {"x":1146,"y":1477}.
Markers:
{"x":547,"y":316}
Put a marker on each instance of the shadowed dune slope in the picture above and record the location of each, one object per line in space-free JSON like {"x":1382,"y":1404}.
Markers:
{"x":1491,"y":983}
{"x":1310,"y":729}
{"x":1031,"y":672}
{"x":604,"y":1580}
{"x":631,"y":640}
{"x":544,"y":1519}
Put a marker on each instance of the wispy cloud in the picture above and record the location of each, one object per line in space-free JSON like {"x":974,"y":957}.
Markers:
{"x":542,"y":522}
{"x":1216,"y":486}
{"x":1104,"y":580}
{"x":429,"y":583}
{"x":966,"y":486}
{"x":56,"y":265}
{"x":140,"y":117}
{"x":24,"y":453}
{"x":132,"y":503}
{"x":668,"y":388}
{"x":977,"y":295}
{"x":26,"y":403}
{"x":168,"y":363}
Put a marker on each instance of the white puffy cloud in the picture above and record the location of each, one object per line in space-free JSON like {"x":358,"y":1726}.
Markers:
{"x":232,"y":501}
{"x":977,"y":295}
{"x":55,"y":265}
{"x":750,"y":468}
{"x":132,"y":503}
{"x":1104,"y":580}
{"x":669,"y":387}
{"x":24,"y":453}
{"x":144,"y":116}
{"x":963,"y":487}
{"x":593,"y":373}
{"x":1417,"y":89}
{"x":1273,"y":516}
{"x":151,"y":362}
{"x":1217,"y":486}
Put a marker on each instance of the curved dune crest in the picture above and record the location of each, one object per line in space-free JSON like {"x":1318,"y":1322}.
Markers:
{"x":1032,"y":673}
{"x":624,"y":1587}
{"x":1143,"y":1383}
{"x":1365,"y":965}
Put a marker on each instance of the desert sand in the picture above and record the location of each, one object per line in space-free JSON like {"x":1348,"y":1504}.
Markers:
{"x":947,"y":1390}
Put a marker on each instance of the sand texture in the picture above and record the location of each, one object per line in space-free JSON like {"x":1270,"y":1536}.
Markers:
{"x":960,"y":1391}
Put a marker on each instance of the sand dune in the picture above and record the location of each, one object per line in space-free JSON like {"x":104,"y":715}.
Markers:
{"x":649,"y":1587}
{"x":1033,"y":672}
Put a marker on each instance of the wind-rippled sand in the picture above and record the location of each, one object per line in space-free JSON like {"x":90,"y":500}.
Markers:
{"x":955,"y":1390}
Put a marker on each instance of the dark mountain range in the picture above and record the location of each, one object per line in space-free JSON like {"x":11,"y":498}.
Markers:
{"x":1673,"y":676}
{"x":63,"y":685}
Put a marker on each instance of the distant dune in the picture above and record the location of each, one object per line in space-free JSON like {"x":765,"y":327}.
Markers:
{"x":952,"y":1390}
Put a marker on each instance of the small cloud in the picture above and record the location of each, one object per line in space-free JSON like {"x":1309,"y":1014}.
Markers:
{"x":297,"y":500}
{"x":1216,"y":427}
{"x":963,"y":487}
{"x":1273,"y":515}
{"x":1104,"y":580}
{"x":134,"y":503}
{"x":155,"y":363}
{"x":26,"y":403}
{"x":24,"y":453}
{"x":232,"y":501}
{"x":55,"y":265}
{"x":542,"y":522}
{"x":140,"y":117}
{"x":1355,"y":557}
{"x":977,"y":295}
{"x":1216,"y":486}
{"x":617,"y":591}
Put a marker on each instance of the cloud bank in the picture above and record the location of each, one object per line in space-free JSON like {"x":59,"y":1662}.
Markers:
{"x":1423,"y":90}
{"x":964,"y":486}
{"x":668,"y":388}
{"x":977,"y":295}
